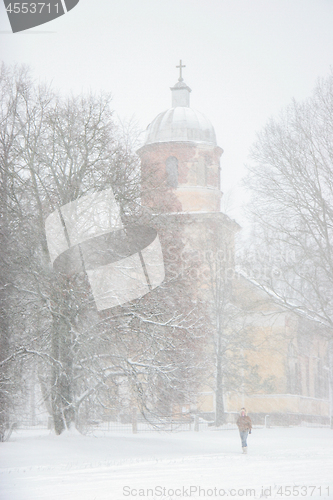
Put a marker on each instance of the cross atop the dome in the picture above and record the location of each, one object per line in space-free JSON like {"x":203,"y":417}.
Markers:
{"x":181,"y":66}
{"x":180,"y":91}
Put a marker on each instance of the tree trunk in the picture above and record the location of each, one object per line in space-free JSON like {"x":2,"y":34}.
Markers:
{"x":330,"y":380}
{"x":4,"y":376}
{"x":219,"y":411}
{"x":63,"y":410}
{"x":220,"y":414}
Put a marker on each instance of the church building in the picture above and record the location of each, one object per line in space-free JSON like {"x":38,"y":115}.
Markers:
{"x":181,"y":185}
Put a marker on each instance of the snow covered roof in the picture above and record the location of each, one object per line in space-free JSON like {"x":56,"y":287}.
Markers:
{"x":279,"y":300}
{"x":180,"y":124}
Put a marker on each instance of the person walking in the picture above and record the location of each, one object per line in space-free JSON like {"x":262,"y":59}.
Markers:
{"x":244,"y":425}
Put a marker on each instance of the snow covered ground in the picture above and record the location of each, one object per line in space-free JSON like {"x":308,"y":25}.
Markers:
{"x":37,"y":465}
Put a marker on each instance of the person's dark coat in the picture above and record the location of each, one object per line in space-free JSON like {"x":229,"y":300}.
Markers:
{"x":244,"y":423}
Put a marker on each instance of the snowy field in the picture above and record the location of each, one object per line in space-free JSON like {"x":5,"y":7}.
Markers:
{"x":281,"y":463}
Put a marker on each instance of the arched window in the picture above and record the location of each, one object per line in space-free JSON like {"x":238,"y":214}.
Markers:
{"x":171,"y":166}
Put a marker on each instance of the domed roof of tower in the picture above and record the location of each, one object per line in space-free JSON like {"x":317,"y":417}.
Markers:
{"x":180,"y":123}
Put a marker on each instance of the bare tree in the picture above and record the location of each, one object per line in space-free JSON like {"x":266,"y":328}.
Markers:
{"x":53,"y":150}
{"x":233,"y":331}
{"x":292,"y":207}
{"x":291,"y":183}
{"x":62,"y":149}
{"x":10,"y":128}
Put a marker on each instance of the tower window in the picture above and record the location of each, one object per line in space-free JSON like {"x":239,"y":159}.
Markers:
{"x":171,"y":166}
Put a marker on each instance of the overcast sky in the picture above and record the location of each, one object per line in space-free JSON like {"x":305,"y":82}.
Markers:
{"x":245,"y":59}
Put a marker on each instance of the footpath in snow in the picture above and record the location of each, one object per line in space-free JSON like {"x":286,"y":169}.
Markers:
{"x":281,"y":463}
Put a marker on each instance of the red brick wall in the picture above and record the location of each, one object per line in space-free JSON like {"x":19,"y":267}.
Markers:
{"x":198,"y":165}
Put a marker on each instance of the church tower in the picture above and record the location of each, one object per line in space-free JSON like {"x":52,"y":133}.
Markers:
{"x":180,"y":187}
{"x":180,"y":175}
{"x":180,"y":172}
{"x":181,"y":153}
